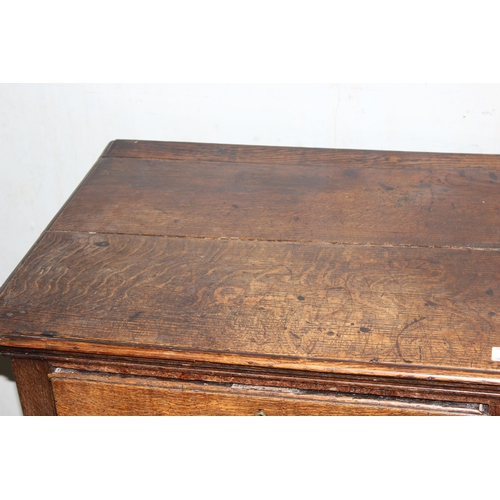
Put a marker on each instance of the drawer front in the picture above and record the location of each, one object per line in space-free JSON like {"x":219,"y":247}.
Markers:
{"x":91,"y":394}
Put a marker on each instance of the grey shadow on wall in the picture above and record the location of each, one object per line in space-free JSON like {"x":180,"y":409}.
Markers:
{"x":6,"y":368}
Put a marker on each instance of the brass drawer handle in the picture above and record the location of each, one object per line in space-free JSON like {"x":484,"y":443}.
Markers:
{"x":260,"y":413}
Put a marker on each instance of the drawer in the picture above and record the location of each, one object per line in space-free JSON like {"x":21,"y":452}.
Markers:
{"x":78,"y":393}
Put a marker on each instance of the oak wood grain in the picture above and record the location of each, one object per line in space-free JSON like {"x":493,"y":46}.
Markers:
{"x":355,"y":383}
{"x":83,"y":394}
{"x":452,"y":206}
{"x":235,"y":153}
{"x":34,"y":388}
{"x":35,"y":244}
{"x":375,"y":305}
{"x":372,"y":273}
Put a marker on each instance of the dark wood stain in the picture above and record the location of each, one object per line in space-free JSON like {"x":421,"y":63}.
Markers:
{"x":367,"y":272}
{"x":295,"y":156}
{"x":315,"y":202}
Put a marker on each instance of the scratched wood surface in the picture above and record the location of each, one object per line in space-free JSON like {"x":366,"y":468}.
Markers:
{"x":428,"y":307}
{"x":378,"y":258}
{"x":428,"y":205}
{"x":83,"y":394}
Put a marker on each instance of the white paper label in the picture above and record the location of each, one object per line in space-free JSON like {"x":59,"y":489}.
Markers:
{"x":495,"y":354}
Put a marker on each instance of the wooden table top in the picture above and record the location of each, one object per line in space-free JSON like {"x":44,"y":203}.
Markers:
{"x":369,"y":262}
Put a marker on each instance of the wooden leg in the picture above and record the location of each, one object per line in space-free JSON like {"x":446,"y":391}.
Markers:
{"x":34,"y":387}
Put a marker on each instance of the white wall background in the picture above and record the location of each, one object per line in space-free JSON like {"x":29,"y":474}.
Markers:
{"x":51,"y":134}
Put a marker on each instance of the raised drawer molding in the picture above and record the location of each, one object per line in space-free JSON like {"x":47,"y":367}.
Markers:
{"x":205,"y":279}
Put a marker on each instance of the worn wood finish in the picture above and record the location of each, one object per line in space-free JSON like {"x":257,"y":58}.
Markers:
{"x":426,"y":307}
{"x":372,"y":273}
{"x":332,"y":382}
{"x":83,"y":394}
{"x":453,"y":206}
{"x":33,"y":386}
{"x":388,"y":387}
{"x":279,"y":155}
